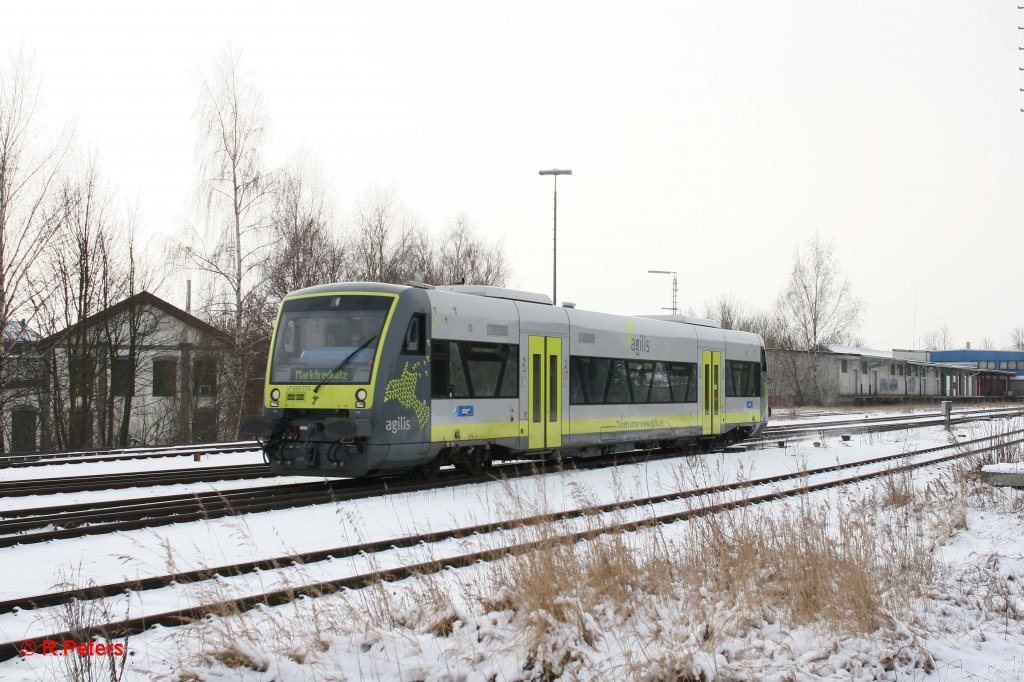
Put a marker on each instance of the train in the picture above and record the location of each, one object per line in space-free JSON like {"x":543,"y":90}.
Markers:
{"x":370,"y":378}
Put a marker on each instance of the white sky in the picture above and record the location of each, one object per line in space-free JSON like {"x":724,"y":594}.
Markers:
{"x":704,"y":137}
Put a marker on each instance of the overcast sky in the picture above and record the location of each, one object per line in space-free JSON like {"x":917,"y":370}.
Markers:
{"x":709,"y":138}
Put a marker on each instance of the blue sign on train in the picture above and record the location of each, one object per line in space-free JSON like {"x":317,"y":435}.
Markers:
{"x":750,"y":403}
{"x":464,"y":411}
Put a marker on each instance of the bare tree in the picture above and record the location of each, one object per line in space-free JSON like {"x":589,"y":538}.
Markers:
{"x":1017,"y":339}
{"x":307,"y":249}
{"x":815,"y":310}
{"x":77,"y":272}
{"x":28,"y":171}
{"x":233,"y":192}
{"x":388,"y":238}
{"x":817,"y":305}
{"x":461,"y":256}
{"x":938,"y":339}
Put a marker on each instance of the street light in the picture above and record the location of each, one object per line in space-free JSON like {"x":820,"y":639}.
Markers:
{"x":554,"y":276}
{"x":675,"y":286}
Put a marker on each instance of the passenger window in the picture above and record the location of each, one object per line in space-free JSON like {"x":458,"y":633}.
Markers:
{"x":458,"y":387}
{"x":640,"y":374}
{"x":618,"y":383}
{"x":659,"y":387}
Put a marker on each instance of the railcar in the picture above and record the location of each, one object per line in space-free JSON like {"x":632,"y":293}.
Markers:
{"x":368,"y":378}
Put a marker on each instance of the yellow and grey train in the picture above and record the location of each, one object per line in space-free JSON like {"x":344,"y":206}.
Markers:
{"x":368,"y":378}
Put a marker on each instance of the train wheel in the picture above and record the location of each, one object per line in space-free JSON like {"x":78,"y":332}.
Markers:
{"x":428,"y":471}
{"x":477,"y":463}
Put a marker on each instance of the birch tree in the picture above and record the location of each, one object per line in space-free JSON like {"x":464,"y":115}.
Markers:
{"x":28,"y":171}
{"x":461,"y":256}
{"x":387,"y":238}
{"x":308,"y":251}
{"x":816,"y":309}
{"x":232,"y":195}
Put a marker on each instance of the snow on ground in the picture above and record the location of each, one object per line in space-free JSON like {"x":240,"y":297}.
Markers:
{"x":959,"y":626}
{"x":157,"y":551}
{"x":58,"y":471}
{"x":124,"y":466}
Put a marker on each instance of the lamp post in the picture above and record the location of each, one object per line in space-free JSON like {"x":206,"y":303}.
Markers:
{"x":554,"y":274}
{"x":675,"y":286}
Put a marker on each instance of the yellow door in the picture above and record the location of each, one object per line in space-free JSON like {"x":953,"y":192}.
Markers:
{"x":712,"y":401}
{"x":545,"y":392}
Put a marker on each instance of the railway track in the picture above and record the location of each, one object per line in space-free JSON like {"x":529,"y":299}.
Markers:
{"x":893,"y":423}
{"x":93,"y":518}
{"x":107,"y":516}
{"x":36,"y":459}
{"x":800,"y":484}
{"x":74,"y":484}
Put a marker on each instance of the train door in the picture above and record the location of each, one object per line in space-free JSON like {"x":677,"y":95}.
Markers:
{"x":712,"y":376}
{"x":545,"y":391}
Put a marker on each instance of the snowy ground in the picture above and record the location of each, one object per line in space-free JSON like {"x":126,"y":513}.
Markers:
{"x":956,"y":626}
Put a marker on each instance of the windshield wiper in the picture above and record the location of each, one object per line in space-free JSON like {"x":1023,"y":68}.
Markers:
{"x":341,"y":365}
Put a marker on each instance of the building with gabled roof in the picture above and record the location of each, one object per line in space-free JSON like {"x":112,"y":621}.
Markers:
{"x":142,"y":371}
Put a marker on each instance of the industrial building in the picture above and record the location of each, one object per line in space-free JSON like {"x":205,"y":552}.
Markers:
{"x":844,"y":375}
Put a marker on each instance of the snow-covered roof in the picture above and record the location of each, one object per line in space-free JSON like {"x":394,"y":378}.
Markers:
{"x":866,"y":352}
{"x":16,"y":331}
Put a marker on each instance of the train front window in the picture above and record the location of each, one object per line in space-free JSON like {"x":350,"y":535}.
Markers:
{"x":318,"y":333}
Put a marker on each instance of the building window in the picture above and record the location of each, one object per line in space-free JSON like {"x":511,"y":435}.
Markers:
{"x":165,"y":378}
{"x":23,"y":430}
{"x":844,"y":364}
{"x":204,"y":376}
{"x":121,"y":380}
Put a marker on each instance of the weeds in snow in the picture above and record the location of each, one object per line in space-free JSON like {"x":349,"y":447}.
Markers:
{"x":783,"y":591}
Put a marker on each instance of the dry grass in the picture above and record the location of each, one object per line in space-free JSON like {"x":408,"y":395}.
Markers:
{"x":673,"y":599}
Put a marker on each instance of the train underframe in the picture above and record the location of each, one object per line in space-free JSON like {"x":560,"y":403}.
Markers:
{"x":329,"y":448}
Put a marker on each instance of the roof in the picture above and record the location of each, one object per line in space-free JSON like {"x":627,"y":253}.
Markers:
{"x":16,"y":331}
{"x":866,"y":352}
{"x":143,"y":298}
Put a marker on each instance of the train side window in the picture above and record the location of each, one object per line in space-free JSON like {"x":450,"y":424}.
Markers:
{"x":537,"y":387}
{"x":439,"y":369}
{"x":465,"y":369}
{"x":458,"y":386}
{"x":742,"y":379}
{"x":682,"y":379}
{"x":660,"y":392}
{"x":618,"y":384}
{"x":577,"y":391}
{"x":510,"y":377}
{"x":594,"y":373}
{"x":414,"y":336}
{"x":485,"y":364}
{"x":640,"y":375}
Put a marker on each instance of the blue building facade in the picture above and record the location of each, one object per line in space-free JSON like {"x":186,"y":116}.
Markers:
{"x":1005,"y":360}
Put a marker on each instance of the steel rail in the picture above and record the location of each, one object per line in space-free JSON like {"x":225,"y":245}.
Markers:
{"x":120,"y":515}
{"x":97,"y":591}
{"x":23,"y":460}
{"x":116,"y":481}
{"x":799,"y":430}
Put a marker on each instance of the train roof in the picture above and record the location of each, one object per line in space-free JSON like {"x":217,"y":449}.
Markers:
{"x":375,"y":287}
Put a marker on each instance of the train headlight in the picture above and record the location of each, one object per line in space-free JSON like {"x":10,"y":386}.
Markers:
{"x":275,"y":394}
{"x":361,"y":394}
